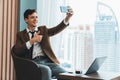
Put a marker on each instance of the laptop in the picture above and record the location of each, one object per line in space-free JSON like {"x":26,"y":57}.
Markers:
{"x":97,"y":63}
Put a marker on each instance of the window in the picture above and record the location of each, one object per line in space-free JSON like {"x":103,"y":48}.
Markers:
{"x":93,"y":32}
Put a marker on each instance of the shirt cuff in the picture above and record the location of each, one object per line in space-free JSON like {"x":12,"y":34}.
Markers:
{"x":66,"y":23}
{"x":28,"y":45}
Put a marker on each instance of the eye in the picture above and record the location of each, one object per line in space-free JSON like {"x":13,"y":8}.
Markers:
{"x":32,"y":17}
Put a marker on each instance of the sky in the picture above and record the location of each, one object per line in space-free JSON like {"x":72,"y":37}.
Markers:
{"x":85,"y":10}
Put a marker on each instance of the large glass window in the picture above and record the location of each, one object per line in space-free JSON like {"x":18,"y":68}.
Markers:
{"x":93,"y":32}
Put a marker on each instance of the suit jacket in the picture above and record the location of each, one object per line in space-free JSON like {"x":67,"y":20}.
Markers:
{"x":22,"y":37}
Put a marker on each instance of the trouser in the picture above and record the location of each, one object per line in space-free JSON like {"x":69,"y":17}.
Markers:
{"x":48,"y":68}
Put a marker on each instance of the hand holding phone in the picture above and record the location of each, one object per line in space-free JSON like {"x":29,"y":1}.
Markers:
{"x":69,"y":12}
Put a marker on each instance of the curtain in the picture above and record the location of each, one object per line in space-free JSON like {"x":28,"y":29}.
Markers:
{"x":8,"y":29}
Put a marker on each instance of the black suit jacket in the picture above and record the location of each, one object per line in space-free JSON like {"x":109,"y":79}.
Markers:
{"x":22,"y":37}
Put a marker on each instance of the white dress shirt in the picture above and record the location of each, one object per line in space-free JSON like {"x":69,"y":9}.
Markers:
{"x":37,"y":51}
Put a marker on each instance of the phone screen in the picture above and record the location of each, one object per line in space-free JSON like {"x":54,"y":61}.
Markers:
{"x":64,"y":9}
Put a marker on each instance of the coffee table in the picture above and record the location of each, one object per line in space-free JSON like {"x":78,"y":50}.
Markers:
{"x":92,"y":76}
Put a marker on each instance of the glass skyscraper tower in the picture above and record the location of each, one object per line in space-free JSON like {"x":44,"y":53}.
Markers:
{"x":106,"y":36}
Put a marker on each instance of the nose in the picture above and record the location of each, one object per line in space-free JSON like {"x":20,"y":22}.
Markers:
{"x":36,"y":19}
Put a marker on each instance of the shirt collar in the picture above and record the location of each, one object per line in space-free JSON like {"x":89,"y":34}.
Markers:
{"x":30,"y":30}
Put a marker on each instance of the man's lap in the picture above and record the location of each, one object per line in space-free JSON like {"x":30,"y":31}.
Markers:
{"x":55,"y":68}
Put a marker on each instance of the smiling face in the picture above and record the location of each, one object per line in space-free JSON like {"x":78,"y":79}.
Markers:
{"x":32,"y":20}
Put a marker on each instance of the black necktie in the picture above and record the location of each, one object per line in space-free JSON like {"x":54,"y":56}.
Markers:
{"x":31,"y":49}
{"x":32,"y":34}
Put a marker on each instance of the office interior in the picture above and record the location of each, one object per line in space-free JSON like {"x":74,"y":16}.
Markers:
{"x":93,"y":32}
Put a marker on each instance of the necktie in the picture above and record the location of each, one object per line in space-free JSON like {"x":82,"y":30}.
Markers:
{"x":31,"y":49}
{"x":32,"y":33}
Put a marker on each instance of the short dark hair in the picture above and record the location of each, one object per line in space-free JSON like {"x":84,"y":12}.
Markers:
{"x":28,"y":12}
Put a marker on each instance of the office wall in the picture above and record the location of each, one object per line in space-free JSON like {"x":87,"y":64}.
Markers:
{"x":8,"y":28}
{"x":23,"y":5}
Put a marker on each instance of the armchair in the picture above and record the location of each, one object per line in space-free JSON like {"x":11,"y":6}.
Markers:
{"x":25,"y":69}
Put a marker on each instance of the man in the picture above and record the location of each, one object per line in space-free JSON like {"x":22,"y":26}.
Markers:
{"x":35,"y":45}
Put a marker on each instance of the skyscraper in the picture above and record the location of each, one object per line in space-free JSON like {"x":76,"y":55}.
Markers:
{"x":106,"y":35}
{"x":79,"y":47}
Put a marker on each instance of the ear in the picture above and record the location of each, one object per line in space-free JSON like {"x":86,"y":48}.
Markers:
{"x":26,"y":20}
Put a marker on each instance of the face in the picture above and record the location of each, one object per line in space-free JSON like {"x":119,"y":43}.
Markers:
{"x":32,"y":20}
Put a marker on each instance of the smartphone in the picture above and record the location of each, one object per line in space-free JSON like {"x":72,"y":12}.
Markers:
{"x":64,"y":9}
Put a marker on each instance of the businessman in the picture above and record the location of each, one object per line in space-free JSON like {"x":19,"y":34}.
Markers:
{"x":35,"y":45}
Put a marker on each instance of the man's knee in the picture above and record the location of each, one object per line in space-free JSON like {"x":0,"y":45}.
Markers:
{"x":45,"y":69}
{"x":46,"y":72}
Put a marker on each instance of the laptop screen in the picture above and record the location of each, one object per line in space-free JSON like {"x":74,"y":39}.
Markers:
{"x":96,"y":64}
